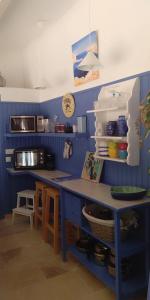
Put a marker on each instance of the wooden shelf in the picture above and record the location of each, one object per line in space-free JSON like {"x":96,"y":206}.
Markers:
{"x":114,"y":138}
{"x":103,"y":109}
{"x":111,"y":159}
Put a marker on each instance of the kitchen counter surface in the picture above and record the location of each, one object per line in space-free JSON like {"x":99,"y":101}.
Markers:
{"x":100,"y":193}
{"x":44,"y":175}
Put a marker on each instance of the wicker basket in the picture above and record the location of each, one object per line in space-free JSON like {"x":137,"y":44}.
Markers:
{"x":103,"y":229}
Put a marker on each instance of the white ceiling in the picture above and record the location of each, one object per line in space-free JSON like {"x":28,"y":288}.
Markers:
{"x":21,"y":21}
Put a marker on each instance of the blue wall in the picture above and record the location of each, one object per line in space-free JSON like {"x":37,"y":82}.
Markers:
{"x":113,"y":173}
{"x":9,"y":185}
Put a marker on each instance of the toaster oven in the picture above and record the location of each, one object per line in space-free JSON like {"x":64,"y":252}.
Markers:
{"x":29,"y":158}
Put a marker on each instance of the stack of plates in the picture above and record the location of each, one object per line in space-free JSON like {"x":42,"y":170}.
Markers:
{"x":103,"y":149}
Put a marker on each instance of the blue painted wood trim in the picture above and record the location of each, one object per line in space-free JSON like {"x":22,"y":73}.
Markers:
{"x":147,"y":242}
{"x":118,"y":255}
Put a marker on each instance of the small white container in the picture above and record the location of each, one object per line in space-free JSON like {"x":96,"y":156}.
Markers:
{"x":74,"y":126}
{"x":81,"y":124}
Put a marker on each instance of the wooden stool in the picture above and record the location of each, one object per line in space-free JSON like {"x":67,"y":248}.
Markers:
{"x":40,"y":194}
{"x":52,"y":217}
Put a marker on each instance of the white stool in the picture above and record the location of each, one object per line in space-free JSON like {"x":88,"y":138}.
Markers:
{"x":28,"y":209}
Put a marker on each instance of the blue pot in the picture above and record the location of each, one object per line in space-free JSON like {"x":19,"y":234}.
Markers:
{"x":122,"y":127}
{"x":111,"y":128}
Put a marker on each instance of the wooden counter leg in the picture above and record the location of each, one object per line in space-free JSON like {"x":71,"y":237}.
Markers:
{"x":46,"y":219}
{"x":43,"y":212}
{"x":56,"y":225}
{"x":36,"y":208}
{"x":63,"y":228}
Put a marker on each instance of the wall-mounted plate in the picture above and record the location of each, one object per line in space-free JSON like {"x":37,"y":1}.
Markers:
{"x":68,"y":105}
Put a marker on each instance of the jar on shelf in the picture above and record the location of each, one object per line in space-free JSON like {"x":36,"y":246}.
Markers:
{"x":123,"y":154}
{"x":113,"y":149}
{"x":122,"y":146}
{"x":51,"y":125}
{"x":122,"y":150}
{"x":122,"y":127}
{"x":111,"y":127}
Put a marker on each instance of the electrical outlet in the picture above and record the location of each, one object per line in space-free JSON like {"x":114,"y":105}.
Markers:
{"x":8,"y":159}
{"x":9,"y":151}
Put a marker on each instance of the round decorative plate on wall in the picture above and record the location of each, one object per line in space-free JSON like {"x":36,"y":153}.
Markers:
{"x":68,"y":105}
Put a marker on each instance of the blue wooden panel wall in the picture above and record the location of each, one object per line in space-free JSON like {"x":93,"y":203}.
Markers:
{"x":113,"y":173}
{"x":9,"y":185}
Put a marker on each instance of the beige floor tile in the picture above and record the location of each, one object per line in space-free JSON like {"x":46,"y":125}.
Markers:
{"x":30,"y":270}
{"x":20,"y":276}
{"x":69,"y":286}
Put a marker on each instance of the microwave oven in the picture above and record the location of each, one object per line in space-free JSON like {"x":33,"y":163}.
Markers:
{"x":24,"y":124}
{"x":29,"y":158}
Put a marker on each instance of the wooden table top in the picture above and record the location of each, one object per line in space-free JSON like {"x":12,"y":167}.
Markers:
{"x":100,"y":193}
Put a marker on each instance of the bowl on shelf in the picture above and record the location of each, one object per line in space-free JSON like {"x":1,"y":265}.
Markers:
{"x":84,"y":244}
{"x":127,"y":192}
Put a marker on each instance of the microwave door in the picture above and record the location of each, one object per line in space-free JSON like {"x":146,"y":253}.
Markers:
{"x":27,"y":124}
{"x":27,"y":159}
{"x":21,"y":159}
{"x":32,"y":159}
{"x":22,"y":124}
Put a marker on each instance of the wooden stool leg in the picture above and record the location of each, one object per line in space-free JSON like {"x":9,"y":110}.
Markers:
{"x":46,"y":219}
{"x":56,"y":225}
{"x":36,"y":208}
{"x":43,"y":211}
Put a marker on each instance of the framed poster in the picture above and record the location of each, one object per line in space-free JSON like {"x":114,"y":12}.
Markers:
{"x":80,"y":49}
{"x":92,"y":167}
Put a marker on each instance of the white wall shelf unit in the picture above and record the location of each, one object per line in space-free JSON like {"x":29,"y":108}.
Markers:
{"x":113,"y":101}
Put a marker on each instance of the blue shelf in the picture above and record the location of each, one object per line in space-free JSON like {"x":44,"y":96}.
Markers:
{"x":100,"y":272}
{"x":16,"y":135}
{"x":46,"y":134}
{"x":130,"y":286}
{"x":64,"y":135}
{"x":134,"y":285}
{"x":128,"y":247}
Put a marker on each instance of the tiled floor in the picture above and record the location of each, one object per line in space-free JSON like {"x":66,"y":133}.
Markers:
{"x":30,"y":270}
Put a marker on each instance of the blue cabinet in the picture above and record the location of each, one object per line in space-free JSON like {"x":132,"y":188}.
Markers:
{"x":74,"y":195}
{"x":72,"y":207}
